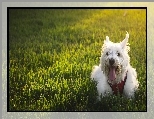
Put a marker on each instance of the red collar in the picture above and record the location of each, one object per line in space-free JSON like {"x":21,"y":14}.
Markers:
{"x":118,"y":87}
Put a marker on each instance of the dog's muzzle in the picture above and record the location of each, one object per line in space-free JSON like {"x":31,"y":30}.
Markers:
{"x":112,"y":69}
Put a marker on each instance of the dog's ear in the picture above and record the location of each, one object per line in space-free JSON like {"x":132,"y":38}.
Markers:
{"x":107,"y":40}
{"x":124,"y":42}
{"x":105,"y":43}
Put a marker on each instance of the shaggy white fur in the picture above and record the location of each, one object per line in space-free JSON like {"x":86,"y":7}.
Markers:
{"x":115,"y":69}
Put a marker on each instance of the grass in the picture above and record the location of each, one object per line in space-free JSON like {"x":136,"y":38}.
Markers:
{"x":52,"y":52}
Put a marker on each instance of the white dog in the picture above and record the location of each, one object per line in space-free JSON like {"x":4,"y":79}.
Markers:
{"x":115,"y":75}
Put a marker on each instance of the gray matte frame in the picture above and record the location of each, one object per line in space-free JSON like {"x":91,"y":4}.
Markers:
{"x":91,"y":115}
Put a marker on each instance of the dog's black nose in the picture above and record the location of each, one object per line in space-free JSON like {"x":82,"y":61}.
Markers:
{"x":111,"y":61}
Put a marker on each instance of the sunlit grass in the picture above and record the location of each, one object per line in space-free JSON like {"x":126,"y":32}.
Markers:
{"x":52,"y":52}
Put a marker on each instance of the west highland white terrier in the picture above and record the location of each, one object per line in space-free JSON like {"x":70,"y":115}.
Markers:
{"x":115,"y":75}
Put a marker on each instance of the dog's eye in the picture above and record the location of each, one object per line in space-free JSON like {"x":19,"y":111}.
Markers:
{"x":118,"y":54}
{"x":107,"y":53}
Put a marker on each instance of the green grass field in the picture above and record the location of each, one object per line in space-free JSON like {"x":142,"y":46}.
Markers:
{"x":52,"y":52}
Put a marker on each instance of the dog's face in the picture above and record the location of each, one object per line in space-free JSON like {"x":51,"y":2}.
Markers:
{"x":114,"y":58}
